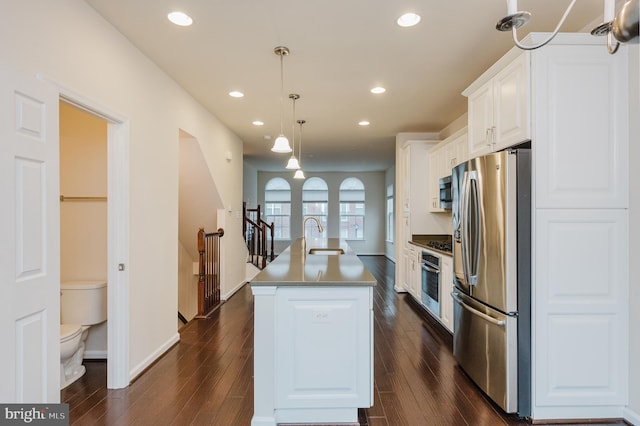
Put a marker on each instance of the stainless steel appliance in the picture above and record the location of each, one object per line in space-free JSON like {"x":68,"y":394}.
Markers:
{"x":492,"y":275}
{"x":446,"y":200}
{"x":430,"y":265}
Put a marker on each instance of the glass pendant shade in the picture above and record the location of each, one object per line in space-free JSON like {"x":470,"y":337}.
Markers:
{"x":293,"y":163}
{"x":299,"y":174}
{"x":281,"y":144}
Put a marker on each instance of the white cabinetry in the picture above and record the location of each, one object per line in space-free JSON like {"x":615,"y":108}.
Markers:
{"x":412,"y":202}
{"x":446,"y":287}
{"x":325,"y":356}
{"x":578,"y":114}
{"x":580,"y":219}
{"x":414,"y":272}
{"x":581,"y":312}
{"x":442,"y":158}
{"x":498,"y":106}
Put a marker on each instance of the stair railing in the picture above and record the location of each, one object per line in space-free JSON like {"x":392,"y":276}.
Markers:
{"x":258,"y":234}
{"x":208,"y":272}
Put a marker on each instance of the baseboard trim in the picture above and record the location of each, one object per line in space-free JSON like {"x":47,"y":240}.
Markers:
{"x":153,"y":357}
{"x":631,"y":416}
{"x":233,"y":291}
{"x":95,"y":354}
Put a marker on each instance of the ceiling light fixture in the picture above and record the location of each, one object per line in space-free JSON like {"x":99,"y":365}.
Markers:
{"x":299,"y":174}
{"x":363,"y":123}
{"x":180,"y":18}
{"x":281,"y":144}
{"x":258,"y":123}
{"x":408,"y":19}
{"x":293,"y":161}
{"x":377,"y":90}
{"x":623,"y":27}
{"x":236,"y":94}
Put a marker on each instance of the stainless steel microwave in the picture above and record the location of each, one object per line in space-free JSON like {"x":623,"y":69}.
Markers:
{"x":446,"y":196}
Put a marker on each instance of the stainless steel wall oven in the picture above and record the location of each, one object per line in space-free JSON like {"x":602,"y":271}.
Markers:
{"x":431,"y":282}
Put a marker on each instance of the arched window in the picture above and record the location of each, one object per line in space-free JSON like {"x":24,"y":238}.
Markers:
{"x":277,"y":203}
{"x":315,"y":202}
{"x":352,"y":209}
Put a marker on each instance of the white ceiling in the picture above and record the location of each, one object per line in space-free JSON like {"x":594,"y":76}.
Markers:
{"x":340,"y":49}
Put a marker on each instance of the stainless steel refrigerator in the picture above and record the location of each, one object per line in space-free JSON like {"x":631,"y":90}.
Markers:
{"x":491,"y":215}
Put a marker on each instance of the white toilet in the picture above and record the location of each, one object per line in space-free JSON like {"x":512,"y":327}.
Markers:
{"x":82,"y":304}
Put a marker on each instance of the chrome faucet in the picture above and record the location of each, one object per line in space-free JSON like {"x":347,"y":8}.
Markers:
{"x":304,"y":224}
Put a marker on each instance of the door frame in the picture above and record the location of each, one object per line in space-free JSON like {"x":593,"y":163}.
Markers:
{"x":118,"y":131}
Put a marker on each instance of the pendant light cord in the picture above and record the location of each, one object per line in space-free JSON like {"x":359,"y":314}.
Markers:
{"x":553,"y":34}
{"x":281,"y":93}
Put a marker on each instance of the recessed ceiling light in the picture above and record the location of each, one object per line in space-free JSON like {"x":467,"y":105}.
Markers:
{"x":378,"y":90}
{"x":363,"y":123}
{"x":180,"y":18}
{"x":258,"y":123}
{"x":236,"y":94}
{"x":408,"y":19}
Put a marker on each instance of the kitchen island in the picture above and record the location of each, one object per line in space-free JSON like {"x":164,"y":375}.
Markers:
{"x":313,"y":335}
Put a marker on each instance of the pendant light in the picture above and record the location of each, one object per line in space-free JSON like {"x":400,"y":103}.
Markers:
{"x":299,"y":173}
{"x":293,"y":161}
{"x":281,"y":144}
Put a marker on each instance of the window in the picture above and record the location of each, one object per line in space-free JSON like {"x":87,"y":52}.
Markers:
{"x":315,"y":202}
{"x":352,"y":209}
{"x":277,"y":203}
{"x":389,"y":214}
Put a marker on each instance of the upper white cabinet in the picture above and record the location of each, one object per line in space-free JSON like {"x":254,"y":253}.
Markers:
{"x":412,"y":199}
{"x":442,"y":158}
{"x":499,"y":106}
{"x":580,"y":127}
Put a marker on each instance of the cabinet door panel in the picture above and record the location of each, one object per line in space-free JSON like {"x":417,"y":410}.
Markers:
{"x":580,"y":307}
{"x":480,"y":106}
{"x":581,"y":155}
{"x":324,"y":356}
{"x":512,"y":104}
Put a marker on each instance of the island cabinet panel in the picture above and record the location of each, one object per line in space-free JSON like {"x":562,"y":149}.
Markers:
{"x":325,"y":354}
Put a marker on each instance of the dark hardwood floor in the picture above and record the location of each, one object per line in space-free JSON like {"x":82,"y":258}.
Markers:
{"x":207,"y":378}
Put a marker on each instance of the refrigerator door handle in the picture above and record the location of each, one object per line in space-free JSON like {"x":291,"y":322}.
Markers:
{"x":464,"y":214}
{"x":473,"y":257}
{"x":470,"y":269}
{"x":482,"y":315}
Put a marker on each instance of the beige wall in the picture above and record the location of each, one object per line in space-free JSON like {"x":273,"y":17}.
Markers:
{"x":83,"y":224}
{"x":188,"y":287}
{"x":69,"y":43}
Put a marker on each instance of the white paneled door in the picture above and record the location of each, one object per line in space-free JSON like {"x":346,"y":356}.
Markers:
{"x":29,"y":240}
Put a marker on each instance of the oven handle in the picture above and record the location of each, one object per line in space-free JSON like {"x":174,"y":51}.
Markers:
{"x":430,"y":269}
{"x":482,"y":315}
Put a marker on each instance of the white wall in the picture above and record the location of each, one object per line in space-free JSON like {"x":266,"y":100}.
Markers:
{"x":70,"y":43}
{"x":373,"y":242}
{"x":634,"y":235}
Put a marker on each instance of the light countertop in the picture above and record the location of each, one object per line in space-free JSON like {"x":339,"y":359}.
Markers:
{"x":296,"y":267}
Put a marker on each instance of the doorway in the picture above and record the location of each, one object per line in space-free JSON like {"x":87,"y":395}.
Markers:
{"x":116,"y":253}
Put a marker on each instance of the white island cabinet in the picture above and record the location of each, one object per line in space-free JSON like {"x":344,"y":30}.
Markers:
{"x":313,"y":336}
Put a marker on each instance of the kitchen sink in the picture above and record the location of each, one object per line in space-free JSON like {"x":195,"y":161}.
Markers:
{"x":326,"y":251}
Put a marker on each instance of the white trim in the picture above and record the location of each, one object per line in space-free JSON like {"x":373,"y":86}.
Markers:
{"x":138,"y":369}
{"x":577,"y":412}
{"x":118,"y":132}
{"x":631,"y":416}
{"x":233,"y":291}
{"x":95,"y":355}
